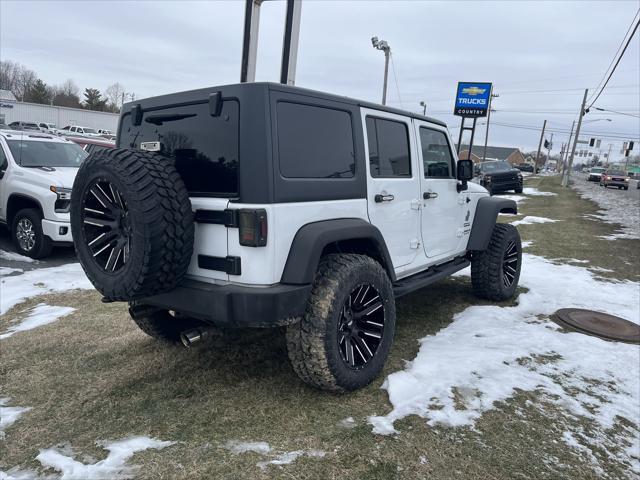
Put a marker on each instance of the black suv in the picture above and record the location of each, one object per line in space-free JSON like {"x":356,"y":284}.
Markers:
{"x":498,"y":176}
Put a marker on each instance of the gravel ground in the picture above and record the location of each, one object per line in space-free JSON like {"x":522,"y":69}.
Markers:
{"x":616,"y":206}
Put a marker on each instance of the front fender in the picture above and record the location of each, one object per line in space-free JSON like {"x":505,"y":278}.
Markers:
{"x":485,"y":218}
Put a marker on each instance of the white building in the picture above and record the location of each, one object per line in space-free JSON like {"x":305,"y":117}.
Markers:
{"x":11,"y":111}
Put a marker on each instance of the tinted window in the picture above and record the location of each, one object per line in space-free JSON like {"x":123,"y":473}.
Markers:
{"x":388,"y":148}
{"x":436,"y":154}
{"x":205,"y":148}
{"x":314,"y":142}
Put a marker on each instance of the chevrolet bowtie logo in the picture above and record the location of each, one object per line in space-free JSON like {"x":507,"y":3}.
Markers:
{"x":474,"y":90}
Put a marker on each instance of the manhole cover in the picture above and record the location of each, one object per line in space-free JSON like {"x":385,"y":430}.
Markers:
{"x":598,"y":324}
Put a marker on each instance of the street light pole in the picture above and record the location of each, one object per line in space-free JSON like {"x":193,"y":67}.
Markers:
{"x":384,"y":46}
{"x":424,"y":107}
{"x":566,"y":154}
{"x":567,"y":176}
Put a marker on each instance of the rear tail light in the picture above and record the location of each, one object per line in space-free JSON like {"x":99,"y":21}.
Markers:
{"x":253,"y":227}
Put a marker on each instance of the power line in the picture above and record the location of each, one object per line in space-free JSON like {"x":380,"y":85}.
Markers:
{"x":616,"y":54}
{"x":616,"y":64}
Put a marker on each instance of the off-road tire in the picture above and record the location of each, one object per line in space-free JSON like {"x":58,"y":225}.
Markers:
{"x":487,"y":266}
{"x":43,"y":244}
{"x":312,"y":342}
{"x":160,"y":324}
{"x":160,"y":222}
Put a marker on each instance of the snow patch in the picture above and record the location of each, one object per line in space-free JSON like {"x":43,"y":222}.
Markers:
{"x":237,"y":447}
{"x":17,"y":288}
{"x":14,"y":257}
{"x":530,"y":220}
{"x":113,"y":467}
{"x":527,"y":243}
{"x":9,"y":415}
{"x":40,"y":315}
{"x":515,"y":198}
{"x":489,"y":352}
{"x":290,"y":457}
{"x":8,"y":271}
{"x":537,"y":193}
{"x":348,"y":422}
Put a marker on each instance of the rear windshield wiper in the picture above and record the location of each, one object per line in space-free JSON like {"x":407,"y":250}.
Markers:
{"x":167,"y":117}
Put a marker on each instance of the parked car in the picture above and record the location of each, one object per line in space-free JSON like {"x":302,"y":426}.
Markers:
{"x":91,"y":145}
{"x":4,"y":127}
{"x":498,"y":176}
{"x":314,"y":216}
{"x":24,"y":126}
{"x":102,"y":131}
{"x":36,"y":176}
{"x":48,"y":128}
{"x":595,"y":173}
{"x":76,"y":130}
{"x":615,"y":178}
{"x":526,"y":167}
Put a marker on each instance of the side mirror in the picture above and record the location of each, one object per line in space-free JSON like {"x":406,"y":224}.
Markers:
{"x":464,"y":173}
{"x":465,"y":170}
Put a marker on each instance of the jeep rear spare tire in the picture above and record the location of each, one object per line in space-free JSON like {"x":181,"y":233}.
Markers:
{"x":132,"y":223}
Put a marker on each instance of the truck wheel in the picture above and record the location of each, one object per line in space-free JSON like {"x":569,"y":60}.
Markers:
{"x":495,"y":272}
{"x":344,"y":337}
{"x":28,"y":238}
{"x":132,"y":223}
{"x":160,"y":324}
{"x":518,"y":190}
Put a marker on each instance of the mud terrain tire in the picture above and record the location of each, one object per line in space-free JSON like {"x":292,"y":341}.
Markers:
{"x":141,"y":205}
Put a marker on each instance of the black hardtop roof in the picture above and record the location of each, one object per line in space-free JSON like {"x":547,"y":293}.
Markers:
{"x":194,"y":95}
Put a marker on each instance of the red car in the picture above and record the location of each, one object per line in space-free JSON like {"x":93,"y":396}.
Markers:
{"x":91,"y":145}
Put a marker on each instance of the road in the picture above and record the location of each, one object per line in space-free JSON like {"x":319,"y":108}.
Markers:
{"x":59,"y":256}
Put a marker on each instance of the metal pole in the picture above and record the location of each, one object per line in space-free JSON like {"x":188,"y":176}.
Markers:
{"x":460,"y":137}
{"x":566,"y":154}
{"x":290,"y":42}
{"x":486,"y":132}
{"x":250,"y":41}
{"x":565,"y":179}
{"x":544,"y":126}
{"x":387,"y":52}
{"x":549,"y":149}
{"x":609,"y":154}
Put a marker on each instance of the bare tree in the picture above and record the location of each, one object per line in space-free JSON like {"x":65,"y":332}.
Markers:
{"x":114,"y":95}
{"x":16,"y":78}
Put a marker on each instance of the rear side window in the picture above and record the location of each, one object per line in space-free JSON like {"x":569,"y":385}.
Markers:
{"x":388,"y":148}
{"x":436,"y":154}
{"x":3,"y":160}
{"x":205,"y":148}
{"x":314,"y":142}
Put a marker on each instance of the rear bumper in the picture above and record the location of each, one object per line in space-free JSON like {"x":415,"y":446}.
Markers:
{"x":235,"y":305}
{"x":615,"y":183}
{"x":503,"y":186}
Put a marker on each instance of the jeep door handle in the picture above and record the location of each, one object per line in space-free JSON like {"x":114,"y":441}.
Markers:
{"x":379,"y":198}
{"x":428,"y":195}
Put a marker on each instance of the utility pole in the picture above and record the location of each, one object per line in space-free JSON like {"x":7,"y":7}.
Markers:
{"x":544,"y":126}
{"x":549,"y":148}
{"x":384,"y":46}
{"x":486,"y":132}
{"x":566,"y":153}
{"x":609,"y":154}
{"x":567,"y":176}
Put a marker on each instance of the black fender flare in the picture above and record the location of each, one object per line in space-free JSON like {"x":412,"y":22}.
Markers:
{"x":487,"y":211}
{"x":312,"y":238}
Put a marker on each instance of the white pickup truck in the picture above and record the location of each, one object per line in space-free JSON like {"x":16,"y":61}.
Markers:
{"x":36,"y":175}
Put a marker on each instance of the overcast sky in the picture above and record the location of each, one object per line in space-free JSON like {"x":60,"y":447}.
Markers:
{"x":522,"y":47}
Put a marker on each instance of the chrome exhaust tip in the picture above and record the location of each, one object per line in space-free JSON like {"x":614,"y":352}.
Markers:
{"x":189,"y":337}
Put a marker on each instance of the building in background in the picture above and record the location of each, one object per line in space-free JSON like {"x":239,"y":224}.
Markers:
{"x":512,"y":155}
{"x":12,"y":110}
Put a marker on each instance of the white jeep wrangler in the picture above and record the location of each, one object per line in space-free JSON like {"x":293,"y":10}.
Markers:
{"x":261,"y":205}
{"x":36,"y":176}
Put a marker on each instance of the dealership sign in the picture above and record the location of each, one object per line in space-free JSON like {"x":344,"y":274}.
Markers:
{"x":472,"y":99}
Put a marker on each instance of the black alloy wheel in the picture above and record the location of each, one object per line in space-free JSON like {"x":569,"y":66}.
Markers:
{"x":105,"y":219}
{"x":510,"y":264}
{"x":361,"y":326}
